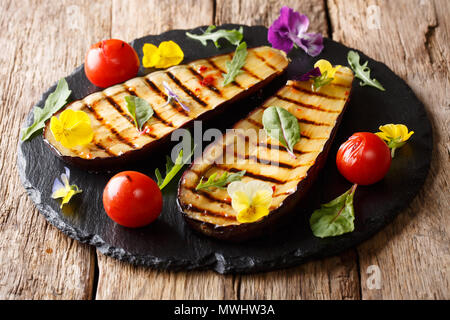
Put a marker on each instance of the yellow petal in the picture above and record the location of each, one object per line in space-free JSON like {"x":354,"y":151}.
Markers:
{"x":56,"y":128}
{"x":151,"y":55}
{"x":60,"y":193}
{"x":240,"y":201}
{"x":67,"y":197}
{"x":80,"y":134}
{"x":323,"y":65}
{"x":262,"y":198}
{"x":389,"y":130}
{"x":382,"y":135}
{"x":332,"y":72}
{"x":70,"y":118}
{"x":408,"y":135}
{"x":170,"y":53}
{"x":402,"y":131}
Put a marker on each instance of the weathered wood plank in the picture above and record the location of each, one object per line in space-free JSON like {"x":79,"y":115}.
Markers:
{"x":264,"y":12}
{"x":333,"y":278}
{"x":118,"y":280}
{"x":413,"y":252}
{"x":36,"y":260}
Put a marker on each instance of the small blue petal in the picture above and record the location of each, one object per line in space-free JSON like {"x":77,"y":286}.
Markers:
{"x":57,"y":185}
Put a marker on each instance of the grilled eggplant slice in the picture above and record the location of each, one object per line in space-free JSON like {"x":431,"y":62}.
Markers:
{"x":116,"y":139}
{"x":319,"y":114}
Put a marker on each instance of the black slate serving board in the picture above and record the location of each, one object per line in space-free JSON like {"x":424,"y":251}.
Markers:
{"x":169,"y":243}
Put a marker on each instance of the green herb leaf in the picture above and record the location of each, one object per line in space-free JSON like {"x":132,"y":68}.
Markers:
{"x":220,"y":182}
{"x":321,"y":81}
{"x":171,"y":169}
{"x":55,"y":101}
{"x":233,"y":36}
{"x":283,"y":126}
{"x":234,"y":66}
{"x":335,"y":217}
{"x":362,"y":72}
{"x":139,"y":109}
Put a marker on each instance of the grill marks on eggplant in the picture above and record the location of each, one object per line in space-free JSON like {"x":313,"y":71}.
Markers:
{"x":114,"y":130}
{"x":264,"y":158}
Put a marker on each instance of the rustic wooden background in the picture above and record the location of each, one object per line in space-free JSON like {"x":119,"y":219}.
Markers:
{"x":42,"y":41}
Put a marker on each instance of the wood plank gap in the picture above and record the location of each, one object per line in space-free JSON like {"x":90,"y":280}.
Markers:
{"x":328,"y":19}
{"x":358,"y":269}
{"x":95,"y":277}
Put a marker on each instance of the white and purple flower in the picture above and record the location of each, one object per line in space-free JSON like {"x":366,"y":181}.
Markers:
{"x":289,"y":30}
{"x":172,"y":95}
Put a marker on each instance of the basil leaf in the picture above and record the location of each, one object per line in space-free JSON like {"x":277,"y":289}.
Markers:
{"x":55,"y":101}
{"x":220,"y":182}
{"x":139,"y":109}
{"x":234,"y":66}
{"x":335,"y":217}
{"x":171,"y":169}
{"x":283,"y":126}
{"x":233,"y":36}
{"x":362,"y":72}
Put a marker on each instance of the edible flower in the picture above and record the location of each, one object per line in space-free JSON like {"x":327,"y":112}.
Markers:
{"x":326,"y":67}
{"x":322,"y":74}
{"x":250,"y":200}
{"x":167,"y":54}
{"x":171,"y":95}
{"x":73,"y":128}
{"x":289,"y":30}
{"x":395,"y":135}
{"x":63,"y":189}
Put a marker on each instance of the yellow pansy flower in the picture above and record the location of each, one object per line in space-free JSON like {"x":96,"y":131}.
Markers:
{"x":395,"y":135}
{"x":73,"y":128}
{"x":63,"y":189}
{"x":325,"y":66}
{"x":250,"y":200}
{"x":167,"y":54}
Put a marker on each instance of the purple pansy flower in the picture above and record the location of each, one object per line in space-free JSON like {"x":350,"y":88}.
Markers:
{"x":289,"y":29}
{"x":172,"y":95}
{"x":310,"y":74}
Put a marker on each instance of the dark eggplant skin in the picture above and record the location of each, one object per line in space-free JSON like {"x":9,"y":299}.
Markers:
{"x":246,"y":231}
{"x":134,"y":156}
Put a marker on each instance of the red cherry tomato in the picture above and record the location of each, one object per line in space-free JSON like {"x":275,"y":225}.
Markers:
{"x":110,"y":62}
{"x":364,"y":158}
{"x":132,"y":199}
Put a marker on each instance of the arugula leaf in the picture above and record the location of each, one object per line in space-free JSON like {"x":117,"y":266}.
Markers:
{"x":362,"y":72}
{"x":139,"y":109}
{"x":171,"y":169}
{"x":220,"y":182}
{"x":233,"y":36}
{"x":335,"y":217}
{"x":283,"y":126}
{"x":55,"y":101}
{"x":234,"y":66}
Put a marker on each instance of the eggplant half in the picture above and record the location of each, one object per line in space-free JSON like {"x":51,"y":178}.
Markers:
{"x":248,"y":148}
{"x":199,"y":86}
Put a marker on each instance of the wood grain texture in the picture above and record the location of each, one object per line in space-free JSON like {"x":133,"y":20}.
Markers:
{"x":264,"y":12}
{"x":36,"y":260}
{"x":39,"y":262}
{"x":119,"y":280}
{"x":412,"y":252}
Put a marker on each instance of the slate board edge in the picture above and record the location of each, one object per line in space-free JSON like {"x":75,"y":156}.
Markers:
{"x":216,"y":261}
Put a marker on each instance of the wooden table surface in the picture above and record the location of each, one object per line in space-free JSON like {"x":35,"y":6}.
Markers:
{"x":42,"y":41}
